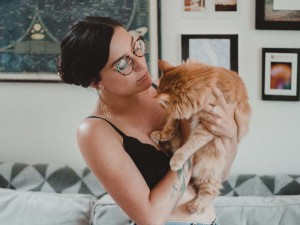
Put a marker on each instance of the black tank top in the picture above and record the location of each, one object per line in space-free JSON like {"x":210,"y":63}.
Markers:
{"x":152,"y":163}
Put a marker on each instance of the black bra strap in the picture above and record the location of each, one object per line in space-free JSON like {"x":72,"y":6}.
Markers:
{"x":117,"y":129}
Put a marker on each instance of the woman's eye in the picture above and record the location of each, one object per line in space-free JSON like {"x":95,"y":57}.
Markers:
{"x":122,"y":64}
{"x":137,"y":46}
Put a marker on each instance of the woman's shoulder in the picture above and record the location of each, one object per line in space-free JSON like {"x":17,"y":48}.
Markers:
{"x":90,"y":125}
{"x":94,"y":131}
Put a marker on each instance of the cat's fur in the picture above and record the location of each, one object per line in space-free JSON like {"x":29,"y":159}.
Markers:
{"x":184,"y":91}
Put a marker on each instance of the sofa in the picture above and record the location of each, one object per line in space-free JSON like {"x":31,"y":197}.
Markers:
{"x":48,"y":194}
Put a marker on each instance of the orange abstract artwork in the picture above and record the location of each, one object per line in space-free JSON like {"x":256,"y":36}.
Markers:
{"x":281,"y":75}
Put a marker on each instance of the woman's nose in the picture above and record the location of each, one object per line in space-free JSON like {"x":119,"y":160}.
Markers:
{"x":139,"y":63}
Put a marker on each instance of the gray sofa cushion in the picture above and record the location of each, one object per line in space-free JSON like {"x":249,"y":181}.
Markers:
{"x":242,"y":210}
{"x":106,"y":211}
{"x":245,"y":210}
{"x":37,"y":208}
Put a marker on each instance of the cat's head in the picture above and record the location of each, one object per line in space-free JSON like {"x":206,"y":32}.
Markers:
{"x":173,"y":91}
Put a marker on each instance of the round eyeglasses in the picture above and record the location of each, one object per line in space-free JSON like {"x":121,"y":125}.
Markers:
{"x":126,"y":64}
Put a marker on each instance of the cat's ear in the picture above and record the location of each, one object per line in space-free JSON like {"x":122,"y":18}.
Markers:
{"x":164,"y":65}
{"x":187,"y":61}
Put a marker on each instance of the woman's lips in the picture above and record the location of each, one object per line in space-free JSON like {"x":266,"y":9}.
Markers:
{"x":143,"y":77}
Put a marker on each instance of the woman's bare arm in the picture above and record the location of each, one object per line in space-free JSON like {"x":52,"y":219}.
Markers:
{"x":106,"y":157}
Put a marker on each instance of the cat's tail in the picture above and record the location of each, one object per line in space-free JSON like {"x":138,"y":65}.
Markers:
{"x":242,"y":118}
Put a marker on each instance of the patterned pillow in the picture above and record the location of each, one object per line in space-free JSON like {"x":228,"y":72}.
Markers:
{"x":49,"y":178}
{"x":254,"y":185}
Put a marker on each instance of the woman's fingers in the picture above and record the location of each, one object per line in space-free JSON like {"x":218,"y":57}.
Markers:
{"x":217,"y":109}
{"x":219,"y":96}
{"x":219,"y":118}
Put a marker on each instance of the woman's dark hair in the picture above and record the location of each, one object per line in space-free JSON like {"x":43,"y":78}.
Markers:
{"x":85,"y":50}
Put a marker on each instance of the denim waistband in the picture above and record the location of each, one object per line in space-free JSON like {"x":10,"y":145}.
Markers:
{"x":216,"y":222}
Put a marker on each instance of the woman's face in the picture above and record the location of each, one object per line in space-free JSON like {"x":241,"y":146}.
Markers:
{"x":121,"y":47}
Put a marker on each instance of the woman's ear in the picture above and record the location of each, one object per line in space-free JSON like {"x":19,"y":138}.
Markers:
{"x":97,"y":85}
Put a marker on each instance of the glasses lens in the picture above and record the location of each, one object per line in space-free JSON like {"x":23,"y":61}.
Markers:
{"x":139,"y":47}
{"x":124,"y":65}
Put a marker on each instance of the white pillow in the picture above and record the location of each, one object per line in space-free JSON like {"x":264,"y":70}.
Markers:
{"x":256,"y":210}
{"x":40,"y":208}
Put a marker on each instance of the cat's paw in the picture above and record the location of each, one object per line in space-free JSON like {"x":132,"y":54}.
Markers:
{"x":159,"y":136}
{"x":197,"y":206}
{"x":177,"y":161}
{"x":155,"y":136}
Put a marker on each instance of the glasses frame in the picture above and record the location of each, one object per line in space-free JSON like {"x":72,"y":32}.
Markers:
{"x":140,"y":37}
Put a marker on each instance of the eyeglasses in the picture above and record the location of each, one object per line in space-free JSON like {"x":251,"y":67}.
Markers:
{"x":126,"y":64}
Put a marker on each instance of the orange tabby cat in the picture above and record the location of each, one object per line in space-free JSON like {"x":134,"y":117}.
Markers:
{"x":184,"y":91}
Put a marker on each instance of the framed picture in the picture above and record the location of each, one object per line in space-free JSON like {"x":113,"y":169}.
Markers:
{"x":213,"y":49}
{"x":277,"y":15}
{"x":280,"y":74}
{"x":226,"y":8}
{"x":31,"y":31}
{"x":196,"y":8}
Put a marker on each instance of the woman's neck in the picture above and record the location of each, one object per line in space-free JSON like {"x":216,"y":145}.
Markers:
{"x":124,"y":105}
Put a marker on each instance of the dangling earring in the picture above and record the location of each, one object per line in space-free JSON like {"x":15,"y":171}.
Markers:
{"x":103,"y":106}
{"x":105,"y":110}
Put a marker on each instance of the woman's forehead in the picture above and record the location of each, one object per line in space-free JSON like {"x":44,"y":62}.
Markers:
{"x":120,"y":43}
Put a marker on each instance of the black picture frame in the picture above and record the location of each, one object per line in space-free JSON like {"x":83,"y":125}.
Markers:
{"x":217,"y":40}
{"x":266,"y":19}
{"x":280,"y":74}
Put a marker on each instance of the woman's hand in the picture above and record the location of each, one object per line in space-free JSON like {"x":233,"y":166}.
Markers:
{"x":220,"y":121}
{"x":220,"y":117}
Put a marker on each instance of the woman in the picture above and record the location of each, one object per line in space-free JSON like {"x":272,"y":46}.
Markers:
{"x":114,"y":141}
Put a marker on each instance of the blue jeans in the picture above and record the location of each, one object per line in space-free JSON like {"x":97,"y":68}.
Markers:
{"x":216,"y":222}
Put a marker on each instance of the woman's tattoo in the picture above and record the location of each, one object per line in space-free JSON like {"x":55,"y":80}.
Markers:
{"x":180,"y":187}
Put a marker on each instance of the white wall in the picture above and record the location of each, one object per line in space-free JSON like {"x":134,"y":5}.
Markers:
{"x":38,"y":121}
{"x":273,"y":144}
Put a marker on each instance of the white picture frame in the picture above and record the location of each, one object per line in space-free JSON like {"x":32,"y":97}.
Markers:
{"x":196,"y":8}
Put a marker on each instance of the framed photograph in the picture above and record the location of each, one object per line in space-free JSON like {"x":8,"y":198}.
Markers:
{"x":226,"y":8}
{"x":31,"y":31}
{"x":280,"y":74}
{"x":196,"y":8}
{"x":277,"y":15}
{"x":213,"y":49}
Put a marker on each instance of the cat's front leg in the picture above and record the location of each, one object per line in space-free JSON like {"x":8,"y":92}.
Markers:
{"x":179,"y":158}
{"x":199,"y":137}
{"x":167,"y":133}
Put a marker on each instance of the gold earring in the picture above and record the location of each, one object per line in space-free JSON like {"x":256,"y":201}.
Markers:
{"x":105,"y":110}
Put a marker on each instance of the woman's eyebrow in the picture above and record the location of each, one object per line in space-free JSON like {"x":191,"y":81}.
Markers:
{"x":114,"y":62}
